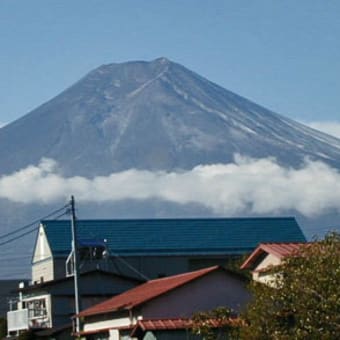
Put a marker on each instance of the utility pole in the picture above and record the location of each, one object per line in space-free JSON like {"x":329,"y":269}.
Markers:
{"x":75,"y":264}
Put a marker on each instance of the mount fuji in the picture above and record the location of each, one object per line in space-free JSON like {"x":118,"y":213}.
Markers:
{"x":154,"y":115}
{"x":158,"y":117}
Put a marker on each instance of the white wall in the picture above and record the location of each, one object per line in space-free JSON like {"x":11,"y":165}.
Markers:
{"x":113,"y":323}
{"x":43,"y":269}
{"x":269,"y":261}
{"x":42,"y":264}
{"x":42,"y":249}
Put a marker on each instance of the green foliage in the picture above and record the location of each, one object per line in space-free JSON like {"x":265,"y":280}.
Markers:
{"x":234,"y":264}
{"x":304,"y":303}
{"x":3,"y":327}
{"x":215,"y":324}
{"x":27,"y":335}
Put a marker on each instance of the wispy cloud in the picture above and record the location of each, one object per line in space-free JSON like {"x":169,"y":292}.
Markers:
{"x":255,"y":185}
{"x":330,"y":127}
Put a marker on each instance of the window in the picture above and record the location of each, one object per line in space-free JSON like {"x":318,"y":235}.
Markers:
{"x":36,"y":308}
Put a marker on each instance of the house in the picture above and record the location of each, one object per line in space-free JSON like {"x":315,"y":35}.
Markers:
{"x":7,"y":293}
{"x":49,"y":305}
{"x":178,"y":329}
{"x":266,"y":256}
{"x":151,"y":248}
{"x":132,"y":251}
{"x":173,"y":297}
{"x":153,"y":329}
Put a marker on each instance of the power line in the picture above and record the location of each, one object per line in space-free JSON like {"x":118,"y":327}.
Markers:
{"x":25,"y":257}
{"x":16,"y":276}
{"x":61,"y":215}
{"x":130,"y":266}
{"x":34,"y":222}
{"x":19,"y":236}
{"x":66,"y":212}
{"x":30,"y":225}
{"x":119,"y":258}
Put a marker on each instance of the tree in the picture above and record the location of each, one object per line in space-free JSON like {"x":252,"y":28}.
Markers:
{"x":3,"y":328}
{"x":27,"y":335}
{"x":217,"y":324}
{"x":304,"y":301}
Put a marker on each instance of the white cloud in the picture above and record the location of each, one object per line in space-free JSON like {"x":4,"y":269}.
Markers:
{"x":2,"y":124}
{"x":332,"y":128}
{"x":255,"y":185}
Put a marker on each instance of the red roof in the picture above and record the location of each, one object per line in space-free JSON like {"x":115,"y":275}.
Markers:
{"x":178,"y":323}
{"x":280,"y":250}
{"x":145,"y":292}
{"x":163,"y":324}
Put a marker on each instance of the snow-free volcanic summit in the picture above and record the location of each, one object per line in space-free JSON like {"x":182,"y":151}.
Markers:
{"x":154,"y":115}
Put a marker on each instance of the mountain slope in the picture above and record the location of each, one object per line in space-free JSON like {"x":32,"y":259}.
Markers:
{"x":146,"y":115}
{"x":154,"y":115}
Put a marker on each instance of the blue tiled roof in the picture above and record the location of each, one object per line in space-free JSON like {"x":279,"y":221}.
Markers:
{"x":175,"y":236}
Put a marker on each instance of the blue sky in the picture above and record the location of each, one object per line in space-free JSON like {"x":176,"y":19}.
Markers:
{"x":284,"y":55}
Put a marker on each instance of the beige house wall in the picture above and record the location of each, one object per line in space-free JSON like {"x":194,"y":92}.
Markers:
{"x":42,"y":264}
{"x":42,"y":249}
{"x":260,"y":275}
{"x":43,"y":271}
{"x":105,"y":324}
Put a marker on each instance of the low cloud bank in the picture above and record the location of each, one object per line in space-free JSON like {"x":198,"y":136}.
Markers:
{"x":253,"y":185}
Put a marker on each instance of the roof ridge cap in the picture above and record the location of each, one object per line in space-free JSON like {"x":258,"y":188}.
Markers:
{"x":202,"y":270}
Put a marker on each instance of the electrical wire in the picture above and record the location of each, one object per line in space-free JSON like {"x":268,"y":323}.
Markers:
{"x":34,"y":222}
{"x":61,"y":215}
{"x":19,"y":236}
{"x":119,"y":258}
{"x":30,"y":225}
{"x":129,"y":266}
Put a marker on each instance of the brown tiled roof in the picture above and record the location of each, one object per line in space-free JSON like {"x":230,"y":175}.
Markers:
{"x":163,"y":324}
{"x":145,"y":292}
{"x":280,"y":250}
{"x":179,"y":323}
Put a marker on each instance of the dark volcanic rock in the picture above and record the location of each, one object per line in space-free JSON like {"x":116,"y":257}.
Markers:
{"x":154,"y":115}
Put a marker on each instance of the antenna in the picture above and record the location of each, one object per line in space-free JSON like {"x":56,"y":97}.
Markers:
{"x":75,"y":264}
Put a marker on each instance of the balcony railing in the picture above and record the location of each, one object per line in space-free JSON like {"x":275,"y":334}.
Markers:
{"x":17,"y":320}
{"x":23,"y":319}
